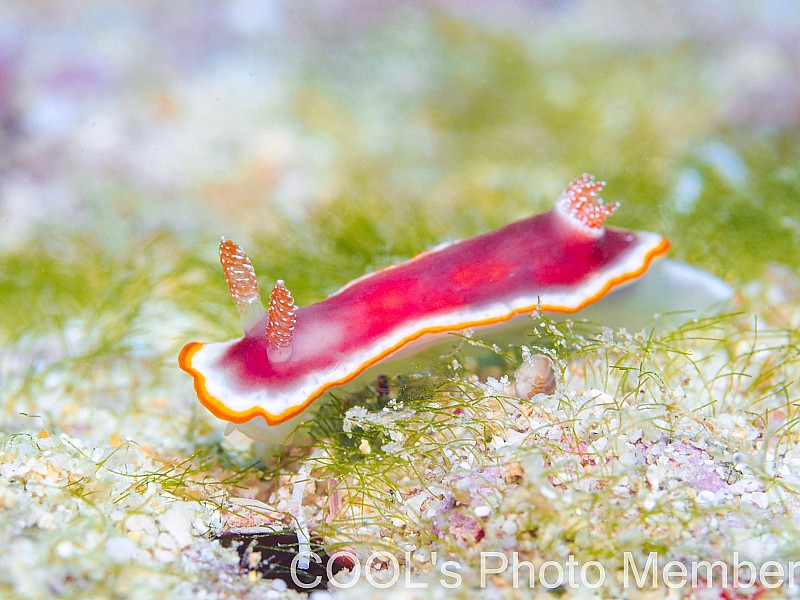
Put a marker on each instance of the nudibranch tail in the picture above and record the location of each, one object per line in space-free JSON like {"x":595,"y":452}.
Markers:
{"x":280,"y":326}
{"x":581,"y":202}
{"x":241,"y":279}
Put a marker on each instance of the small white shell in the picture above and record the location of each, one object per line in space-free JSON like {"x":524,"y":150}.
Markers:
{"x":536,"y":375}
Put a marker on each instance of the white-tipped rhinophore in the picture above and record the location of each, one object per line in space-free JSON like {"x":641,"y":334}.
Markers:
{"x":241,"y":279}
{"x":280,"y":326}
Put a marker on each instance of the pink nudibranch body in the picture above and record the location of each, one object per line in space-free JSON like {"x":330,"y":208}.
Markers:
{"x":560,"y":261}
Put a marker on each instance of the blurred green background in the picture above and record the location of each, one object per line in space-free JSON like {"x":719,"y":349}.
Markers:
{"x":330,"y":139}
{"x":333,"y":138}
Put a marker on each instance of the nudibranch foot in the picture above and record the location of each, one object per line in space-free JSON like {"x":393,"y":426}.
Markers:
{"x":560,"y":261}
{"x":671,"y":294}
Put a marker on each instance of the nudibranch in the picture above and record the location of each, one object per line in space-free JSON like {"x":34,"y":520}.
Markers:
{"x":559,"y":261}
